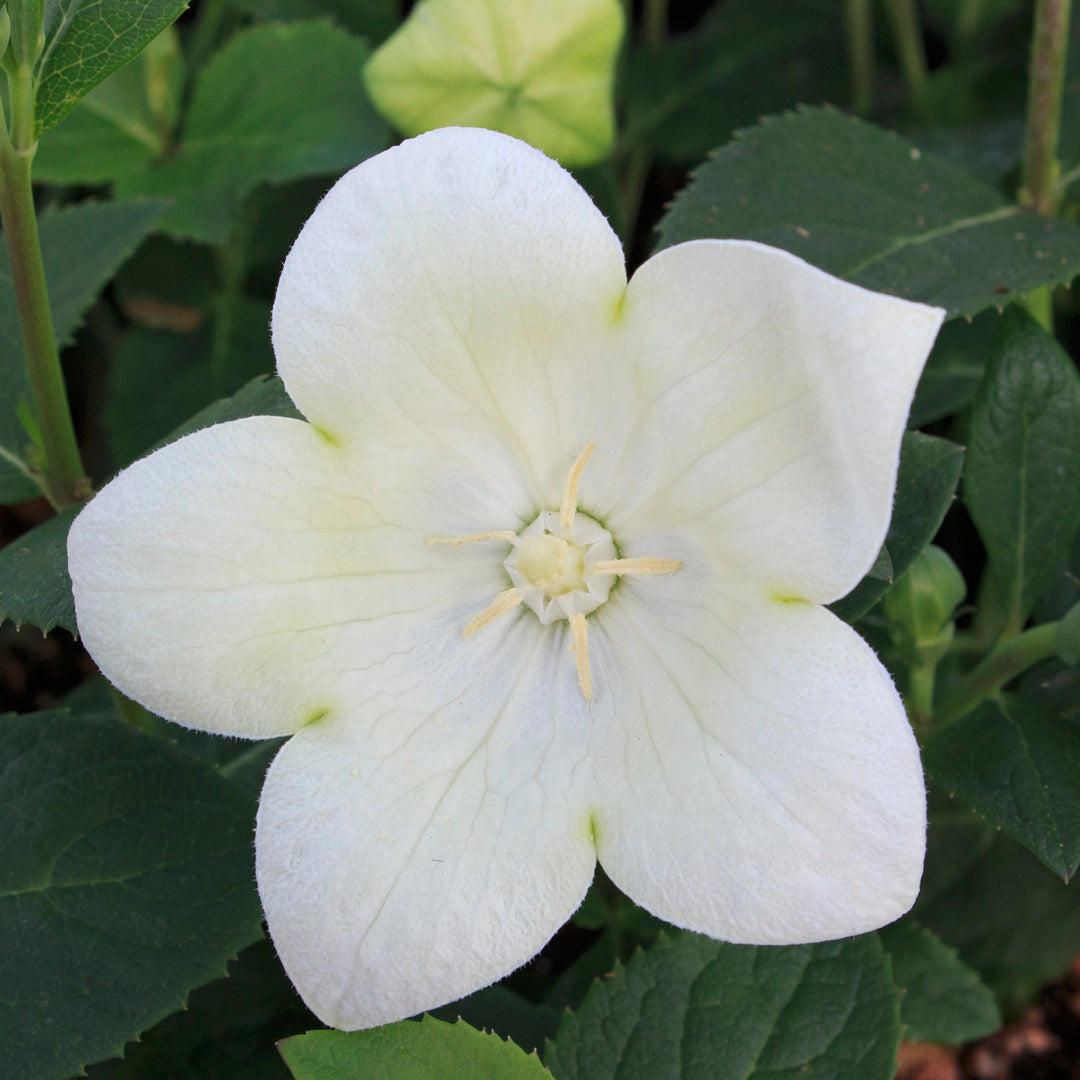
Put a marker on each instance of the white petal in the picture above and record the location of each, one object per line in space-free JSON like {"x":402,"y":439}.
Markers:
{"x":460,"y":287}
{"x":779,"y":398}
{"x":762,"y":784}
{"x":243,"y":580}
{"x":429,"y":842}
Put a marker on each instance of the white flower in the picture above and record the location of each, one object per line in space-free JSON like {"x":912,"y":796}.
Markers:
{"x":477,"y":718}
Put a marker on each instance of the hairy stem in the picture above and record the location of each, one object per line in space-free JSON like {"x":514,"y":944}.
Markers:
{"x":1046,"y":83}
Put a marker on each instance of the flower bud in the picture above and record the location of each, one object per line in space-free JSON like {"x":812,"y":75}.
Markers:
{"x":922,"y":602}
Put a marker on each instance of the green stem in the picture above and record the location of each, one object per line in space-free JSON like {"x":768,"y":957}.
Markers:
{"x":920,"y":695}
{"x":654,"y":22}
{"x":63,"y":478}
{"x":909,"y":45}
{"x":1039,"y":175}
{"x":1009,"y":659}
{"x":860,"y":41}
{"x":1040,"y":305}
{"x":131,"y":712}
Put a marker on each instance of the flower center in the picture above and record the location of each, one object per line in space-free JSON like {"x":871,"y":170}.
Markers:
{"x":563,"y":566}
{"x":554,"y":568}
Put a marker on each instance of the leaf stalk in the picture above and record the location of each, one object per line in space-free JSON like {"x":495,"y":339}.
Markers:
{"x":1009,"y":659}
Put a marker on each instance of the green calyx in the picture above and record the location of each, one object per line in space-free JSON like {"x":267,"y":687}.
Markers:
{"x":540,"y":71}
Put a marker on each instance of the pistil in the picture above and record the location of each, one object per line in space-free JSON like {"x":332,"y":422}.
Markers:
{"x":562,"y":568}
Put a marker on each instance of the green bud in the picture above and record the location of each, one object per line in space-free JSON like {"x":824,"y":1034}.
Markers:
{"x":922,"y":602}
{"x":541,"y":70}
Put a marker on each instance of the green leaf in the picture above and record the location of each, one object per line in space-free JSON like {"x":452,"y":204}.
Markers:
{"x":955,"y":368}
{"x":929,"y":472}
{"x":498,"y":1008}
{"x":409,"y":1050}
{"x":34,"y":583}
{"x":197,"y":368}
{"x":870,"y":207}
{"x":1067,"y":639}
{"x":372,"y":20}
{"x":227,"y":1031}
{"x":249,"y":124}
{"x":121,"y":125}
{"x":1023,"y":468}
{"x":943,"y":1000}
{"x":126,"y":881}
{"x":263,"y":396}
{"x":693,"y":1008}
{"x":1009,"y":917}
{"x":82,"y":247}
{"x":747,"y":58}
{"x":1017,"y":764}
{"x":85,"y":42}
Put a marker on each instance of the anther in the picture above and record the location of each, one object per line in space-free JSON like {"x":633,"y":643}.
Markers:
{"x":647,"y":565}
{"x":579,"y":643}
{"x":506,"y":601}
{"x":473,"y":538}
{"x":569,"y":499}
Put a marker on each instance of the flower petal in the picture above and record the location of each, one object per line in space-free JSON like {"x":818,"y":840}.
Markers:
{"x":243,"y":579}
{"x":459,"y":287}
{"x":763,"y":784}
{"x":430,"y":841}
{"x":788,"y":390}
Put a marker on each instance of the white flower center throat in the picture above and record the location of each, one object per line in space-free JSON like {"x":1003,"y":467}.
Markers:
{"x":563,"y":566}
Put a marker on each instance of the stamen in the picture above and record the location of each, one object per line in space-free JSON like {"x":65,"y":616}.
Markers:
{"x":569,"y":499}
{"x":504,"y":602}
{"x":456,"y":541}
{"x":647,"y":565}
{"x":579,"y":643}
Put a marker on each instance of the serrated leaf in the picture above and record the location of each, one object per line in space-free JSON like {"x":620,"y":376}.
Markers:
{"x":746,"y":58}
{"x":695,"y":1009}
{"x":1023,"y":468}
{"x":247,"y":124}
{"x":34,"y":583}
{"x":929,"y":472}
{"x":870,"y":207}
{"x":372,"y":20}
{"x":1017,"y":764}
{"x":943,"y":1000}
{"x":1009,"y":917}
{"x":125,"y":882}
{"x":81,"y":246}
{"x":121,"y":125}
{"x":227,"y":1031}
{"x":409,"y":1050}
{"x":85,"y":42}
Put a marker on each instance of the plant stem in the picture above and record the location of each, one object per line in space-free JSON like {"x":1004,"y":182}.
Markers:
{"x":654,"y":22}
{"x":920,"y":692}
{"x":62,"y":475}
{"x":860,"y":41}
{"x":1008,"y":660}
{"x":909,"y":44}
{"x":1038,"y":186}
